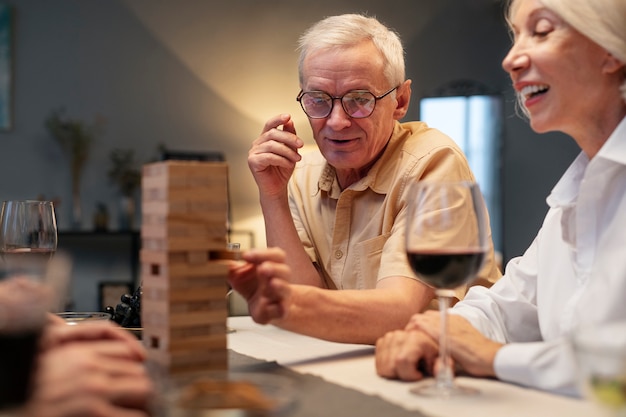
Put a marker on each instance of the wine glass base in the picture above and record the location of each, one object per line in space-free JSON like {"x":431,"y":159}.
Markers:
{"x":437,"y":390}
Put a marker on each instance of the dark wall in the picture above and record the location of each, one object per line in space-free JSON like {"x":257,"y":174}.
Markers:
{"x":95,"y":57}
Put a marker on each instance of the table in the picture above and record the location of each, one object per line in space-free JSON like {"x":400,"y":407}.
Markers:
{"x":352,"y":366}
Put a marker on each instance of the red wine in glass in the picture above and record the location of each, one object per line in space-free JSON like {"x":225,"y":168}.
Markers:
{"x":445,"y":270}
{"x":446,"y":243}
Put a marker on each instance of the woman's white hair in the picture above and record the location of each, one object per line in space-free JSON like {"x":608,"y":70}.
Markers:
{"x":348,"y":30}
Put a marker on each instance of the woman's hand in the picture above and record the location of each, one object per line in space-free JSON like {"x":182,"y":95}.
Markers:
{"x":472,"y":351}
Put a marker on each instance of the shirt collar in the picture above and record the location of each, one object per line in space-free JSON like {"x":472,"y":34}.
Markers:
{"x":566,"y":190}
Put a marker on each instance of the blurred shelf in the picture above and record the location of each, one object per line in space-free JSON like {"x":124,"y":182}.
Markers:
{"x":99,"y":257}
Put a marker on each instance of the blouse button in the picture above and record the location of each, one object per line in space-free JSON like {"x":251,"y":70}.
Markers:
{"x":338,"y":254}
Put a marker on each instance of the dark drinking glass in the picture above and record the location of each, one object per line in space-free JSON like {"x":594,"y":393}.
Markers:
{"x":23,"y":310}
{"x":17,"y":366}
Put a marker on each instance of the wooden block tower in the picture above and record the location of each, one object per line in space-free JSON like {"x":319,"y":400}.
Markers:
{"x":183,"y":307}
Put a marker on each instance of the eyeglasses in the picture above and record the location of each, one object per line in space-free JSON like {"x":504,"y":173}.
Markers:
{"x":357,"y":104}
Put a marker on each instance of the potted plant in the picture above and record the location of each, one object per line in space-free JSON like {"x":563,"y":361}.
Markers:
{"x":126,"y":175}
{"x":76,"y":139}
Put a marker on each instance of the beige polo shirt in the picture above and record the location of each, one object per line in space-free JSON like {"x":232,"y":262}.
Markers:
{"x":356,"y":236}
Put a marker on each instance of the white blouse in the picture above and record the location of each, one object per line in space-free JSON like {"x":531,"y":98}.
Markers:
{"x":573,"y":274}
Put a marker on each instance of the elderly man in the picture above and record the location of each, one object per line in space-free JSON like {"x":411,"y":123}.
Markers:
{"x":338,"y":215}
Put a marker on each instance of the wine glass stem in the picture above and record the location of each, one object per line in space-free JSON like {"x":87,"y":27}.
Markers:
{"x":444,"y":377}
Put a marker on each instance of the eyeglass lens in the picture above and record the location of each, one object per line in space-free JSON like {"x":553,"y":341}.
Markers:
{"x":357,"y":104}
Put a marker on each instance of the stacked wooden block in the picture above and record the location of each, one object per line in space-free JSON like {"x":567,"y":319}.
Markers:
{"x":184,"y":308}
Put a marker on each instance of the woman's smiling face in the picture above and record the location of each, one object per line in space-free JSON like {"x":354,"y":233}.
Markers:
{"x":557,"y":71}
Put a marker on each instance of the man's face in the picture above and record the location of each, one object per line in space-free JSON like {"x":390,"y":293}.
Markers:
{"x":351,"y":145}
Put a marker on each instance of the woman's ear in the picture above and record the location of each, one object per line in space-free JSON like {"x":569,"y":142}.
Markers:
{"x":612,"y":64}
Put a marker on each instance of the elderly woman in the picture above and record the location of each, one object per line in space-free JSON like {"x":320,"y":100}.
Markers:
{"x":567,"y":64}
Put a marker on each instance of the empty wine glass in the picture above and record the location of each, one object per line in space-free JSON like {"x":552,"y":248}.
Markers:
{"x":446,"y":242}
{"x":28,"y":235}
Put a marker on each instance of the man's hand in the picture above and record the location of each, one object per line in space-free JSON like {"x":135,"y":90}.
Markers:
{"x":408,"y":355}
{"x":274,"y":154}
{"x":263,"y":280}
{"x":470,"y":350}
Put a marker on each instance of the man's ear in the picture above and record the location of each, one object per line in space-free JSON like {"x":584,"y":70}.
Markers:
{"x":403,"y":98}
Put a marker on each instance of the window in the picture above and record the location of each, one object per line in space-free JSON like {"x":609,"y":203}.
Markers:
{"x":473,"y":121}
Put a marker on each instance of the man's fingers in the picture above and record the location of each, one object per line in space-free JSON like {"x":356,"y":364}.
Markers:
{"x":281,"y":129}
{"x":257,"y":256}
{"x":289,"y":127}
{"x":398,"y":355}
{"x":275,"y":122}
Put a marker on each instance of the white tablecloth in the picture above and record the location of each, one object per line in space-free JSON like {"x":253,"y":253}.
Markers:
{"x":352,"y":366}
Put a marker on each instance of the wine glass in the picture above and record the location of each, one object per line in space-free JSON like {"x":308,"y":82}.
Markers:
{"x":28,"y":238}
{"x":600,"y":352}
{"x":446,"y":242}
{"x":28,"y":235}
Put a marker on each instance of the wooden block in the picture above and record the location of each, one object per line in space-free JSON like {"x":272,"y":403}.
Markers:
{"x":197,"y":230}
{"x":183,"y":244}
{"x":216,"y":192}
{"x":187,"y":333}
{"x":184,"y":169}
{"x":211,"y":342}
{"x":162,"y":257}
{"x":188,"y":290}
{"x":167,"y":343}
{"x":176,"y":266}
{"x":197,"y":331}
{"x":210,"y":210}
{"x":180,"y":259}
{"x":177,"y":295}
{"x":216,"y":305}
{"x":192,"y":361}
{"x":163,"y":226}
{"x":225,"y":254}
{"x":211,"y":285}
{"x":184,"y":174}
{"x":210,"y":270}
{"x":163,"y":314}
{"x":164,"y":336}
{"x":161,"y":311}
{"x":197,"y":257}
